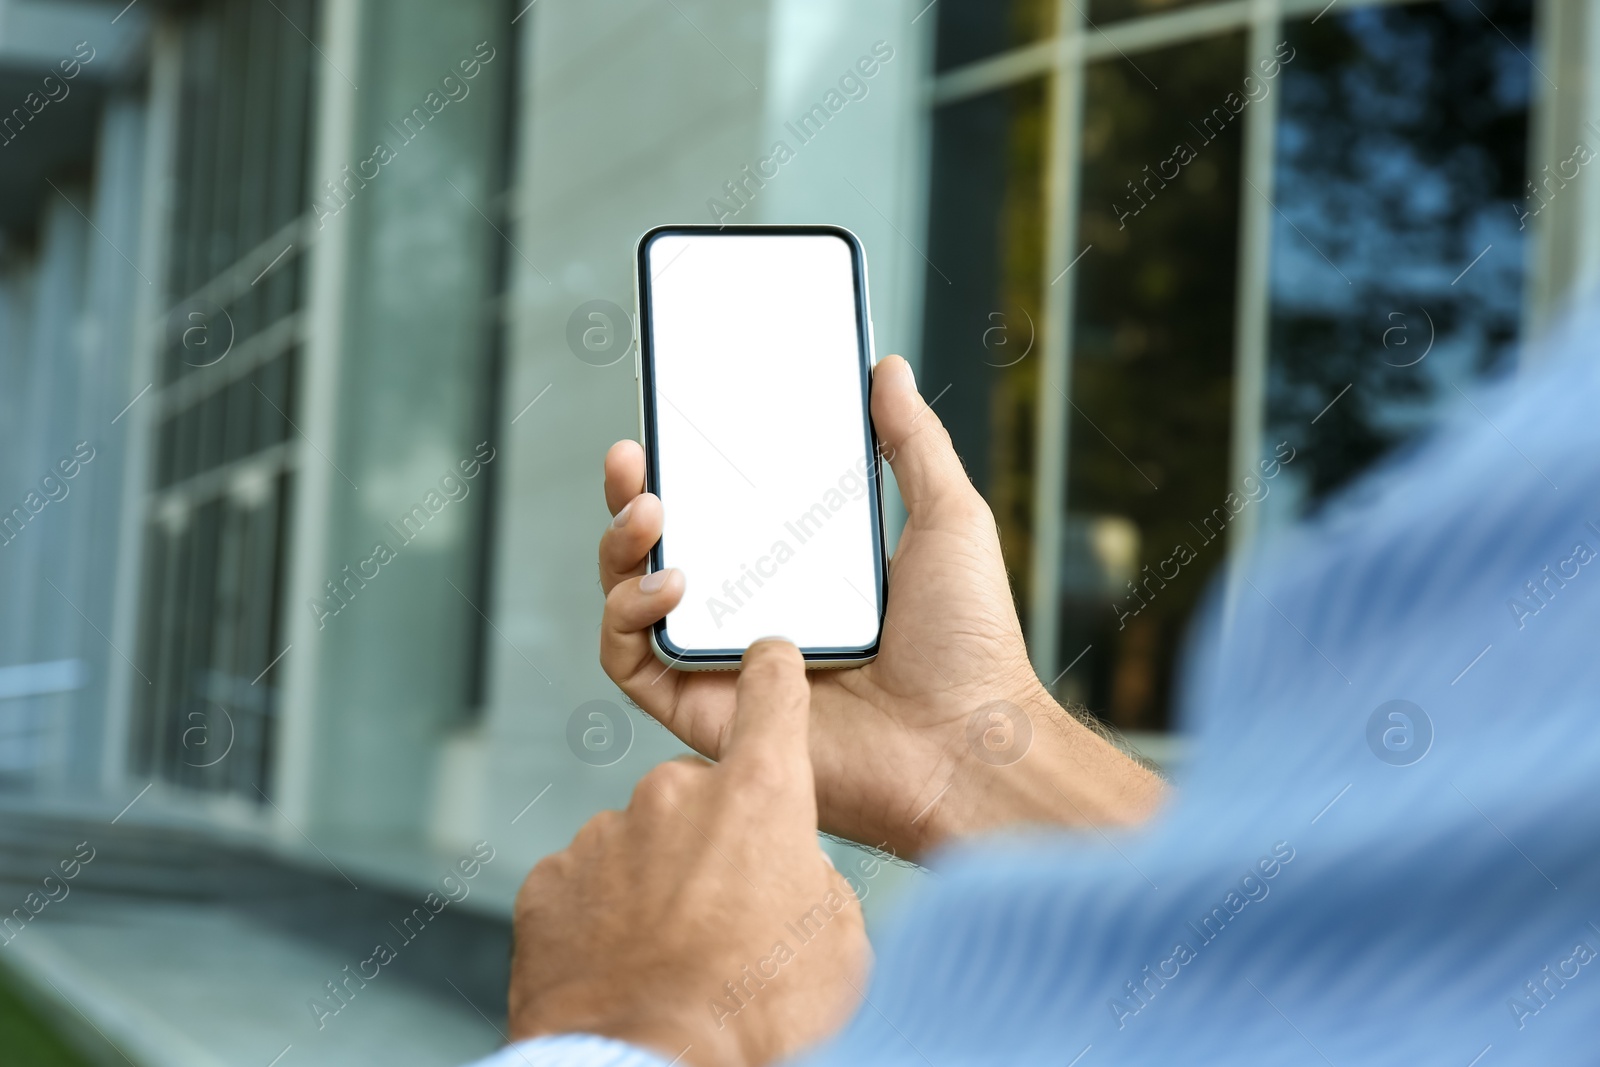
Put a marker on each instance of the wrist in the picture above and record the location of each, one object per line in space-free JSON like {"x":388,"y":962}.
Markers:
{"x":1028,"y":761}
{"x":681,"y":1044}
{"x":671,"y":1034}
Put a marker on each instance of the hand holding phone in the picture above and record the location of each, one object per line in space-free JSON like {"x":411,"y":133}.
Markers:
{"x":890,"y":742}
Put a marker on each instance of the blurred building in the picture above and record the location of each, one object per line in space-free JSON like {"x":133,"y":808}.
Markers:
{"x":310,"y":347}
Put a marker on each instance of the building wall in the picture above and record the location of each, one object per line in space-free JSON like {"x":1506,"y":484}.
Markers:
{"x":627,"y":114}
{"x":633,"y":118}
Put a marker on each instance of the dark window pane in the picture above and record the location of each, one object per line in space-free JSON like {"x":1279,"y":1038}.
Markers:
{"x":1401,"y":150}
{"x":166,"y":453}
{"x":980,"y":343}
{"x":970,"y":30}
{"x":186,"y":443}
{"x":273,"y":398}
{"x":282,"y":285}
{"x":212,"y":415}
{"x":1107,"y":10}
{"x":241,"y":404}
{"x":224,"y":245}
{"x":1152,"y":368}
{"x":290,"y":132}
{"x":245,"y":312}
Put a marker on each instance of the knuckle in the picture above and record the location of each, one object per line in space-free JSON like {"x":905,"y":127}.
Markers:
{"x":662,"y":785}
{"x":967,"y":505}
{"x":759,"y":769}
{"x":619,"y":599}
{"x":927,"y":441}
{"x":613,"y":658}
{"x":535,"y":887}
{"x":609,"y":660}
{"x":608,"y":550}
{"x":591,"y":834}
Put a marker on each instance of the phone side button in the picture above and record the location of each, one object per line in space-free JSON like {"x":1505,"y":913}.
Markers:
{"x":635,"y":362}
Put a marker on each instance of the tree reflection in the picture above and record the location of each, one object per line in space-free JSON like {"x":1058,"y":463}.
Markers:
{"x":1152,"y":366}
{"x":1401,"y":147}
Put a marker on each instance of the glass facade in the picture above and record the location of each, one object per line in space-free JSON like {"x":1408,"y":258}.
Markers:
{"x":423,"y":331}
{"x":1152,"y":369}
{"x":1380,"y":151}
{"x":225,"y":452}
{"x":984,"y":284}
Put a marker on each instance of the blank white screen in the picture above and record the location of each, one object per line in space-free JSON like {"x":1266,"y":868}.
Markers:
{"x":761,"y":440}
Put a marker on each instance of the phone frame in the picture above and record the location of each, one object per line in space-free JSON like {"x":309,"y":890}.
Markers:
{"x":644,"y":371}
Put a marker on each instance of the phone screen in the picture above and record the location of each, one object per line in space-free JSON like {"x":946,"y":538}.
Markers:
{"x":756,"y":365}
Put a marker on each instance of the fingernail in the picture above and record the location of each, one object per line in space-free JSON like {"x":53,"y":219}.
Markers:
{"x":652,"y":582}
{"x":621,"y":518}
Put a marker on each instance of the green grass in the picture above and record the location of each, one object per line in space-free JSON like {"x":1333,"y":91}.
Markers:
{"x":26,"y":1040}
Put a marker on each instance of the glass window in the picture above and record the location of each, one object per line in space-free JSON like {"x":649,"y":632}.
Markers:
{"x":1397,"y":206}
{"x":1152,"y":368}
{"x":1397,"y":262}
{"x":211,"y":613}
{"x":228,"y":449}
{"x":982,"y":320}
{"x":970,"y":30}
{"x":1108,"y":10}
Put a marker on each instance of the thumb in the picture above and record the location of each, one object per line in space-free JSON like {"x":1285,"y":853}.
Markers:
{"x":916,"y":444}
{"x":771,"y":719}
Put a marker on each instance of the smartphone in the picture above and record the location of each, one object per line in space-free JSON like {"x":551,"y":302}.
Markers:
{"x":754,"y":365}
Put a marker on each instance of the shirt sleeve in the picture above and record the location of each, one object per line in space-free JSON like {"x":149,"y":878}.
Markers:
{"x":572,"y":1050}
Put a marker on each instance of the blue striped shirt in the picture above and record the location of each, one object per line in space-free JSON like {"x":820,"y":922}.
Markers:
{"x":1332,"y":884}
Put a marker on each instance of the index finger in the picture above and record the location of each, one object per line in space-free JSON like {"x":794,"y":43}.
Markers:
{"x":772,"y":717}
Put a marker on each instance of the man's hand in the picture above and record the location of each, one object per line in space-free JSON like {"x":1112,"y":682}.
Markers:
{"x":704,"y":921}
{"x":890,"y":741}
